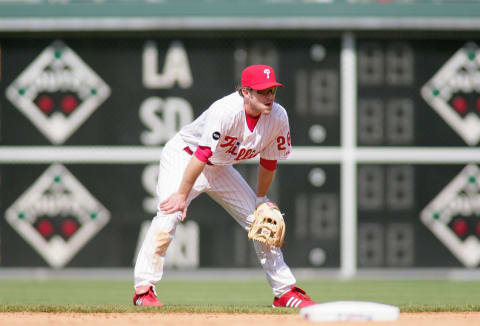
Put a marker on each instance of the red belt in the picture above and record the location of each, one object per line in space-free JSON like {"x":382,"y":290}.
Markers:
{"x":190,"y":152}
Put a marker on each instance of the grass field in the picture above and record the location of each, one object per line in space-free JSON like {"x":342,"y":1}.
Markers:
{"x":228,"y":296}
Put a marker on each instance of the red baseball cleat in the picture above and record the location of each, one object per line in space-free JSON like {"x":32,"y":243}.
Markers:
{"x":294,"y":298}
{"x":147,"y":299}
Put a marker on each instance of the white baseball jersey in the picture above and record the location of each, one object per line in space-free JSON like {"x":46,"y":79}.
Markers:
{"x":223,"y":128}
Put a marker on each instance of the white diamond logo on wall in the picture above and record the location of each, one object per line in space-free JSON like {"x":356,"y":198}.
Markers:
{"x":57,"y":216}
{"x":454,"y":92}
{"x":454,"y":216}
{"x":58,"y":92}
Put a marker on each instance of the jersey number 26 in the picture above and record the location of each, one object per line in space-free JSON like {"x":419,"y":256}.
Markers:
{"x":281,"y":142}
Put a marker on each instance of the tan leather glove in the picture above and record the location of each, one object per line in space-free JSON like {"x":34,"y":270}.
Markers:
{"x":268,"y":226}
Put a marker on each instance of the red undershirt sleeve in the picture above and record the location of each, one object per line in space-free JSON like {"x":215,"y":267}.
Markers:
{"x":203,"y":153}
{"x":268,"y":164}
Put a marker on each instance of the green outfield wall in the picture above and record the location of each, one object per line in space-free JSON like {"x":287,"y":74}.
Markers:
{"x":383,"y":99}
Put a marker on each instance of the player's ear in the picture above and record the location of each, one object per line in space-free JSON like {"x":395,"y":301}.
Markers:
{"x":245,"y":91}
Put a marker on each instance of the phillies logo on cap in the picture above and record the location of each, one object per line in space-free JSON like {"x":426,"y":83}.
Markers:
{"x":259,"y":77}
{"x":267,"y":71}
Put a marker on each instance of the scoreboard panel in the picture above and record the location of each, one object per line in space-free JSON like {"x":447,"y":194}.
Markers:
{"x":418,"y":92}
{"x":418,"y":215}
{"x":153,"y":86}
{"x":47,"y":204}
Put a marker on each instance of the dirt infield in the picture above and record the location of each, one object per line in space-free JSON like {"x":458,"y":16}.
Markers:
{"x":188,"y":319}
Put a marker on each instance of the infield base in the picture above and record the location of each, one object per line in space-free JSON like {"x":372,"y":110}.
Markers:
{"x":350,"y":311}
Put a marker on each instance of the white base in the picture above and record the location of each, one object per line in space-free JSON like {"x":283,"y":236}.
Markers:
{"x":350,"y":311}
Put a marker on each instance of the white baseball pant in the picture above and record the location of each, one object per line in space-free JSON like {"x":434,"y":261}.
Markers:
{"x":228,"y":188}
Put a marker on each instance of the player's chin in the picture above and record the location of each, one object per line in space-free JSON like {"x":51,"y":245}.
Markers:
{"x":268,"y":108}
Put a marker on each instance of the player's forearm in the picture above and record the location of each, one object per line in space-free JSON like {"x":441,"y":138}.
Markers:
{"x":265,"y":179}
{"x":193,"y":170}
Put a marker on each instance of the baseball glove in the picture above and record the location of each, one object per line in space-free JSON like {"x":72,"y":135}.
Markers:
{"x":268,"y":226}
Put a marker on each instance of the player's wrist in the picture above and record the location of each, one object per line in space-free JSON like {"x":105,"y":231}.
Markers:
{"x":182,"y":193}
{"x":260,"y":200}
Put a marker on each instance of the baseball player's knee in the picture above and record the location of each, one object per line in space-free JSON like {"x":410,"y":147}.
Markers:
{"x":162,"y":240}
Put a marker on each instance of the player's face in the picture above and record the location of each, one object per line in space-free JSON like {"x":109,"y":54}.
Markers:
{"x":261,"y":101}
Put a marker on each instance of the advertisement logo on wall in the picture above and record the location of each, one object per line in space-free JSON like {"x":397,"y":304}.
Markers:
{"x":57,"y":216}
{"x":454,"y":93}
{"x":57,"y":92}
{"x":454,"y":216}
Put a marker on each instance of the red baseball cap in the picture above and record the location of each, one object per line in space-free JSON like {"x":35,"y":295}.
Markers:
{"x":259,"y":77}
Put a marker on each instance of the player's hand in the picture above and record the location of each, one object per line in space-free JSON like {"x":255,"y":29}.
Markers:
{"x":176,"y":202}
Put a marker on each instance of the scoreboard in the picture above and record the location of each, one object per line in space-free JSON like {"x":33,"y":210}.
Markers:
{"x":67,"y":102}
{"x":418,"y":94}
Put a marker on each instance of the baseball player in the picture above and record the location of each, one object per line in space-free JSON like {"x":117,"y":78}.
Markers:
{"x":200,"y":158}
